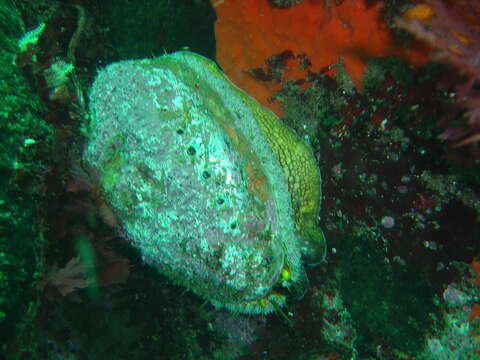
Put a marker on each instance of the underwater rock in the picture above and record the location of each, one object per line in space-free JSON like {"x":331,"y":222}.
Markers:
{"x":212,"y":188}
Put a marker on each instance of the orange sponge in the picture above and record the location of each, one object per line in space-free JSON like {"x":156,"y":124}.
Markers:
{"x":250,"y":31}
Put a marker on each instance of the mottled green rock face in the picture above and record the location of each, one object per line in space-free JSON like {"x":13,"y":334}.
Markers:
{"x":194,"y":182}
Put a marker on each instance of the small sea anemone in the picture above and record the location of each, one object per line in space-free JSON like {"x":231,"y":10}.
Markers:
{"x":285,"y":3}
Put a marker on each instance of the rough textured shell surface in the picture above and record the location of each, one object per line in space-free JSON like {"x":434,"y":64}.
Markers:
{"x":193,"y":181}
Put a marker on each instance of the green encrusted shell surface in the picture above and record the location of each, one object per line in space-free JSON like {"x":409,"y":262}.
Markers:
{"x":194,"y":181}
